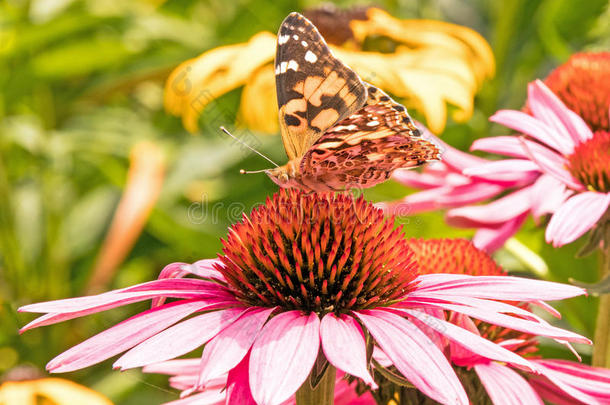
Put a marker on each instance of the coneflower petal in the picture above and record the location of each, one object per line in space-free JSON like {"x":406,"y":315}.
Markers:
{"x":415,"y":356}
{"x":506,"y":387}
{"x":345,"y":347}
{"x":178,"y":339}
{"x":283,"y":355}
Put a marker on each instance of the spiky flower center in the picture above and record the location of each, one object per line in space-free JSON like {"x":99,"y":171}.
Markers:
{"x":317,"y":252}
{"x":582,"y":84}
{"x":590,"y":162}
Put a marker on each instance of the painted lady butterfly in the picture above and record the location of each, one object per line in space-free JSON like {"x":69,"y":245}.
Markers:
{"x":338,"y":131}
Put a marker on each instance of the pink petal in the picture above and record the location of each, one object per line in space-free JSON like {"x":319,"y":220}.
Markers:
{"x":578,"y":369}
{"x":419,"y":180}
{"x":470,"y":341}
{"x":575,"y":217}
{"x":506,"y":288}
{"x":122,"y":336}
{"x":188,"y":288}
{"x":206,"y":268}
{"x":455,"y":158}
{"x":586,"y":390}
{"x":345,"y":347}
{"x":535,"y":128}
{"x":179,"y":339}
{"x":548,"y":194}
{"x":238,"y":385}
{"x":229,"y":347}
{"x":174,"y":367}
{"x":491,"y":239}
{"x":551,"y":163}
{"x":506,"y":387}
{"x":283,"y":355}
{"x":501,"y":145}
{"x":497,"y":212}
{"x":215,"y":397}
{"x":548,"y":107}
{"x":502,"y":170}
{"x":415,"y":356}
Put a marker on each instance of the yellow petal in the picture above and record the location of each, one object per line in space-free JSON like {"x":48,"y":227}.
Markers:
{"x":196,"y":82}
{"x":258,"y":107}
{"x":56,"y":390}
{"x":144,"y":181}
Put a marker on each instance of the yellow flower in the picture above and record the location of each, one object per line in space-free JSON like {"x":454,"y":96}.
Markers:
{"x":53,"y":391}
{"x":428,"y":64}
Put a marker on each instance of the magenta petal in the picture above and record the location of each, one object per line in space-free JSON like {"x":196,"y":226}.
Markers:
{"x":238,"y":384}
{"x":229,"y":347}
{"x":506,"y":387}
{"x":548,"y":194}
{"x":122,"y":336}
{"x":283,"y":355}
{"x":345,"y":347}
{"x":470,"y":341}
{"x":575,"y":217}
{"x":501,"y":145}
{"x":506,"y":288}
{"x":415,"y":356}
{"x":497,"y":212}
{"x":535,"y":128}
{"x":178,"y":339}
{"x":547,"y":106}
{"x":551,"y":163}
{"x":491,"y":239}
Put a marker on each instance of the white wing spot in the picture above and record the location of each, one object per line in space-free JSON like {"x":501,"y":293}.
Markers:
{"x":372,"y":123}
{"x":305,"y":44}
{"x":292,"y":65}
{"x":283,"y":67}
{"x":295,"y":37}
{"x":310,"y":57}
{"x":283,"y":39}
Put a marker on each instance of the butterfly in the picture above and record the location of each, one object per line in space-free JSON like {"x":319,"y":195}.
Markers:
{"x":338,"y":131}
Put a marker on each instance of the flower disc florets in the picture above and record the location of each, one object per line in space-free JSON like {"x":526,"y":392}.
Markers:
{"x":317,"y":252}
{"x":590,"y":162}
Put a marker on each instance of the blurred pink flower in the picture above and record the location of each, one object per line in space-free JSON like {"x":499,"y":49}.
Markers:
{"x":301,"y":277}
{"x":574,"y":163}
{"x":449,"y":184}
{"x":184,"y":375}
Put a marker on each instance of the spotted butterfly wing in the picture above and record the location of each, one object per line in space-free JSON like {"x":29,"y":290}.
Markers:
{"x":365,"y":148}
{"x":314,"y":89}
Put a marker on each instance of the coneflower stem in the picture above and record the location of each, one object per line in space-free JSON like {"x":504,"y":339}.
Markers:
{"x":323,"y":393}
{"x":601,"y":348}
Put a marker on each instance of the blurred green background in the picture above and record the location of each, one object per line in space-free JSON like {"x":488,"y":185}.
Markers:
{"x":82,"y":81}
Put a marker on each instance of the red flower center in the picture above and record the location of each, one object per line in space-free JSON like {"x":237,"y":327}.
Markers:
{"x":317,"y":252}
{"x":590,"y":162}
{"x":582,"y":84}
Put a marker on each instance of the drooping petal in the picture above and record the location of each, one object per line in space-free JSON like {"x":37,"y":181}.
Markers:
{"x":548,"y":194}
{"x":504,"y":288}
{"x":502,"y":170}
{"x":547,"y":106}
{"x":535,"y":128}
{"x":415,"y":356}
{"x":238,"y":384}
{"x":345,"y":347}
{"x":179,"y":339}
{"x":122,"y":336}
{"x":575,"y":217}
{"x":501,"y":145}
{"x":229,"y":347}
{"x":282,"y":356}
{"x":497,"y":212}
{"x":506,"y":387}
{"x":470,"y":341}
{"x":493,"y":238}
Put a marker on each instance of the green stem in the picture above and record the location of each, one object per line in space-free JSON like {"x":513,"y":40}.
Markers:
{"x":322,"y":394}
{"x":601,"y":348}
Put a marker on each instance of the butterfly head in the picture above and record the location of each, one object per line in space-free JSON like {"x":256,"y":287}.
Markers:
{"x":280,"y":176}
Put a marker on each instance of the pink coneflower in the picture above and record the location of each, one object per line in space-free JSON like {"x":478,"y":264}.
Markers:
{"x":559,"y":381}
{"x":448,"y":184}
{"x":574,"y":162}
{"x":303,"y":284}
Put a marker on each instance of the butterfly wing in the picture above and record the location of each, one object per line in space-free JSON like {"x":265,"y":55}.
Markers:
{"x":314,"y":89}
{"x":365,"y":148}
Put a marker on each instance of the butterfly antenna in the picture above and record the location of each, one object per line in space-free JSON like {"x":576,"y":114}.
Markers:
{"x":223,"y":129}
{"x":242,"y":171}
